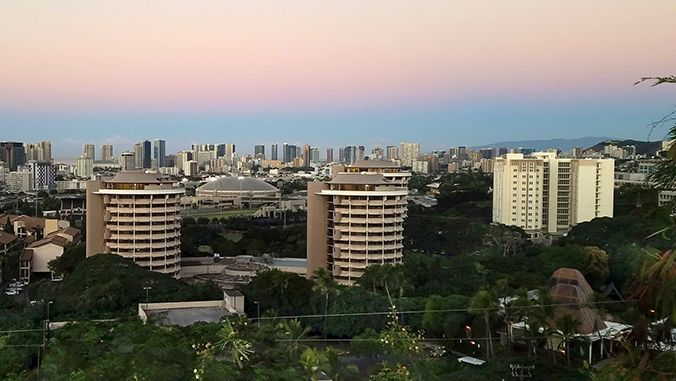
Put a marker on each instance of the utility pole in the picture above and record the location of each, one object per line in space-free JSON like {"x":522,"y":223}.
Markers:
{"x":147,"y":288}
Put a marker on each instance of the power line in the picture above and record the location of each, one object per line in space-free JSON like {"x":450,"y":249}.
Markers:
{"x":20,"y":330}
{"x":433,"y":311}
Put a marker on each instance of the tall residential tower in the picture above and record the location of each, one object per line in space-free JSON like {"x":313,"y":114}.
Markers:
{"x":356,"y":219}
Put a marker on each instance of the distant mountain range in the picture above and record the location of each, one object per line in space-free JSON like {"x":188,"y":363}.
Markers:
{"x":543,"y":145}
{"x":594,"y":143}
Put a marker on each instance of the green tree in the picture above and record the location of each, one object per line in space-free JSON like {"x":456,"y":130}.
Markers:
{"x":566,"y":329}
{"x":325,"y":286}
{"x":336,"y":369}
{"x":292,"y":333}
{"x":233,"y":345}
{"x":66,"y":263}
{"x":483,"y":305}
{"x":310,"y":360}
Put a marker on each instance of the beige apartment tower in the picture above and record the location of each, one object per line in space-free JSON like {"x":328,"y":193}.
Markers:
{"x":136,"y":215}
{"x":356,"y":219}
{"x":544,"y":194}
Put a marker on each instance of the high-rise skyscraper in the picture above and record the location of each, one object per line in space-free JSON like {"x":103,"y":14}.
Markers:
{"x":285,"y":153}
{"x":138,"y":155}
{"x":360,"y":152}
{"x":314,"y":155}
{"x":220,"y":150}
{"x":329,"y":155}
{"x":392,"y":152}
{"x":84,"y":167}
{"x":341,"y":154}
{"x":107,"y":152}
{"x":229,"y":150}
{"x":43,"y":174}
{"x":273,"y":152}
{"x":377,"y":153}
{"x":147,"y":154}
{"x":12,"y":153}
{"x":46,"y":147}
{"x":127,"y":161}
{"x":88,"y":150}
{"x":306,"y":155}
{"x":350,"y":154}
{"x":259,"y":150}
{"x":409,"y":153}
{"x":160,"y":152}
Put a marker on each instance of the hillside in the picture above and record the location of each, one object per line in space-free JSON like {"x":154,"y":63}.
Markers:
{"x":642,"y":148}
{"x":543,"y":145}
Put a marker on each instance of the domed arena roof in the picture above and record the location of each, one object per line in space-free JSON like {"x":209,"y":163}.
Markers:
{"x":235,"y":184}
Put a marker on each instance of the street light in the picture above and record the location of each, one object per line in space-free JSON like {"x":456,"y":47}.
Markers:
{"x":258,"y":313}
{"x":147,"y":288}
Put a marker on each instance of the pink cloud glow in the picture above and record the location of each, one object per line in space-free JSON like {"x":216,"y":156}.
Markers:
{"x":306,"y":54}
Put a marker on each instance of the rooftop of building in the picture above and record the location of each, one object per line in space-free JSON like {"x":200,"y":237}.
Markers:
{"x":570,"y":288}
{"x":237,"y":184}
{"x":374,"y":164}
{"x":139,"y":177}
{"x":360,"y":179}
{"x":7,"y":238}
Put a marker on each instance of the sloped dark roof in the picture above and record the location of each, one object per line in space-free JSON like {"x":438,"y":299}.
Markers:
{"x":56,"y":240}
{"x":570,"y":288}
{"x":7,"y":238}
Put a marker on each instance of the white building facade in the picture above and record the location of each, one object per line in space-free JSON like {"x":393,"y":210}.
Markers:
{"x":544,"y":194}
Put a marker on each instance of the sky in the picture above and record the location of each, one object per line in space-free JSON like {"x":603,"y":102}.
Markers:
{"x":331,"y":73}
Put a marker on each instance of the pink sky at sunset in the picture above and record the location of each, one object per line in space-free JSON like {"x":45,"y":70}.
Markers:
{"x":256,"y":55}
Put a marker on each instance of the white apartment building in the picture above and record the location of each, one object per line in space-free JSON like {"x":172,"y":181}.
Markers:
{"x":543,"y":193}
{"x":43,"y":174}
{"x":136,"y":215}
{"x":20,"y":181}
{"x":409,"y":153}
{"x":84,"y":166}
{"x":356,"y":219}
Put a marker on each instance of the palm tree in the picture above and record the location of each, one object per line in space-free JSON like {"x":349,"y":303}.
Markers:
{"x":236,"y":348}
{"x":483,"y":304}
{"x":310,"y":360}
{"x":567,"y":329}
{"x":656,"y":285}
{"x":335,"y":369}
{"x":292,"y":333}
{"x":325,"y":285}
{"x":545,"y":312}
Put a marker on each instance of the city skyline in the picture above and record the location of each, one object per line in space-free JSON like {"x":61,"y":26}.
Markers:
{"x":433,"y":72}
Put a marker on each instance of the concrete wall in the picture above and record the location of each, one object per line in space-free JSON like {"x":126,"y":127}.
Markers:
{"x":43,"y":254}
{"x":95,"y":223}
{"x":316,"y":227}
